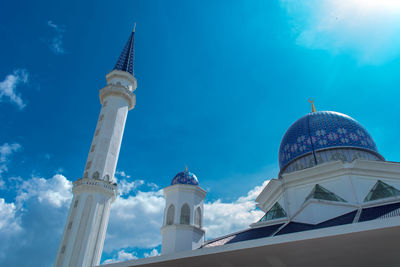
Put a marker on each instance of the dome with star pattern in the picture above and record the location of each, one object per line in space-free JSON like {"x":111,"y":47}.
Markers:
{"x":185,"y":177}
{"x":321,"y":131}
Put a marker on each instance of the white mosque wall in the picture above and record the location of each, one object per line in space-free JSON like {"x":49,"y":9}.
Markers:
{"x":180,"y":236}
{"x":350,"y":181}
{"x":314,"y":211}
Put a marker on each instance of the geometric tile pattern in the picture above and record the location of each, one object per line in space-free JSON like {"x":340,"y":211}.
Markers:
{"x":322,"y":130}
{"x":125,"y":61}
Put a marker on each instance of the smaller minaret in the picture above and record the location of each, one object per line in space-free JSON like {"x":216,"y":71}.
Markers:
{"x":183,"y":216}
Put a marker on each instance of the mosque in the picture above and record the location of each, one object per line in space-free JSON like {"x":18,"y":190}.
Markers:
{"x":335,"y":202}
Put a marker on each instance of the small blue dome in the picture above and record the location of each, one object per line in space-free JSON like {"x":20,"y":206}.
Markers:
{"x":322,"y":130}
{"x":185,"y":177}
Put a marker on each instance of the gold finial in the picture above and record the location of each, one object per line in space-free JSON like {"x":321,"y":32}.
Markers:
{"x":186,"y":169}
{"x":134,"y":27}
{"x":313,"y":109}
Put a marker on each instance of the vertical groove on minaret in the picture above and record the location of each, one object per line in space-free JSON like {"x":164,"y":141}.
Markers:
{"x":97,"y":239}
{"x":83,"y":226}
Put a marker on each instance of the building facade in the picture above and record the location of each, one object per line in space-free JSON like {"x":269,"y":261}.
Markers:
{"x":335,"y":202}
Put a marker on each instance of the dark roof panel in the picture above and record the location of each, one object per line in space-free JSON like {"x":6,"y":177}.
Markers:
{"x":376,"y":212}
{"x":294,"y":227}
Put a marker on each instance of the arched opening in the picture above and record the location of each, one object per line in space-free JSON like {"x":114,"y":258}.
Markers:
{"x":197,"y":217}
{"x":185,"y":214}
{"x":96,"y":175}
{"x":170,"y":215}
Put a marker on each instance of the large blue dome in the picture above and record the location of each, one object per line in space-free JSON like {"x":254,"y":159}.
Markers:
{"x":185,"y":177}
{"x":323,"y":130}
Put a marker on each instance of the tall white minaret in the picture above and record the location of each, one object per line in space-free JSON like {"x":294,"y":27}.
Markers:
{"x":85,"y":229}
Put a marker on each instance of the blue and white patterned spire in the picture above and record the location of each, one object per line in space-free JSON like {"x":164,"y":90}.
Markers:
{"x":125,"y":61}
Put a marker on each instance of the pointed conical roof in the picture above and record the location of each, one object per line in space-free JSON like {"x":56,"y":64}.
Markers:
{"x":125,"y":61}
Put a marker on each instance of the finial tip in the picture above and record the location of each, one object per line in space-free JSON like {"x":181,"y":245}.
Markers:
{"x":134,"y":27}
{"x":186,"y":169}
{"x":313,"y":109}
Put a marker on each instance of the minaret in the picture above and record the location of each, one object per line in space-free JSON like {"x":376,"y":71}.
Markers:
{"x":183,"y":215}
{"x":85,"y":229}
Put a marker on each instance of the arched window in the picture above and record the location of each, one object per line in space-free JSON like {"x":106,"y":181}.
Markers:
{"x":96,"y":175}
{"x":107,"y":178}
{"x":185,"y":214}
{"x":197,"y":217}
{"x":170,"y":215}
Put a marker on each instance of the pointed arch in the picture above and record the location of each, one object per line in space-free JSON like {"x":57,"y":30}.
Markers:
{"x":170,"y":215}
{"x":185,"y":214}
{"x":96,"y":175}
{"x":197,"y":217}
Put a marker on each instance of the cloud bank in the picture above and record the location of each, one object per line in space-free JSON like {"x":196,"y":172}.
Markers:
{"x":368,"y":30}
{"x":33,"y":222}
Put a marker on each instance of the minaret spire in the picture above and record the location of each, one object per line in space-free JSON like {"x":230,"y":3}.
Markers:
{"x":125,"y":60}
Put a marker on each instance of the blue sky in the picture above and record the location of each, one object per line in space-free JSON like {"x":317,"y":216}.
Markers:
{"x":219,"y":82}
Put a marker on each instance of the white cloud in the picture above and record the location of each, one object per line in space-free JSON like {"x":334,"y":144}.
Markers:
{"x":56,"y":44}
{"x":9,"y":223}
{"x":369,"y":30}
{"x":154,"y":252}
{"x":125,"y":187}
{"x":8,"y":87}
{"x":122,"y":174}
{"x":122,"y":256}
{"x":6,"y":150}
{"x":32,"y":225}
{"x":224,"y":218}
{"x":55,"y":191}
{"x":135,"y":221}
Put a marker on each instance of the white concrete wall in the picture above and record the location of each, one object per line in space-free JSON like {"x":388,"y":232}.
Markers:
{"x":350,"y":181}
{"x":178,"y":237}
{"x":103,"y":154}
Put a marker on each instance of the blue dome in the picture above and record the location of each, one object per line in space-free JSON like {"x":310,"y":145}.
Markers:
{"x":185,"y":177}
{"x":322,"y":130}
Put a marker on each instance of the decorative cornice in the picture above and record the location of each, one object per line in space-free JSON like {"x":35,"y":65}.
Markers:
{"x":183,"y":226}
{"x":95,"y":186}
{"x":118,"y":90}
{"x":185,"y":187}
